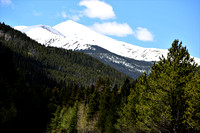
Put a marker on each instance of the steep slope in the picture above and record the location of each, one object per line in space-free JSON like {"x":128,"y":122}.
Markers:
{"x":76,"y":37}
{"x":41,"y":33}
{"x":35,"y":80}
{"x":128,"y":66}
{"x":84,"y":35}
{"x":51,"y":37}
{"x":61,"y":64}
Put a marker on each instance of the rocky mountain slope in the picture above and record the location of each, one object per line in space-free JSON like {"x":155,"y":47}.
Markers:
{"x":77,"y":37}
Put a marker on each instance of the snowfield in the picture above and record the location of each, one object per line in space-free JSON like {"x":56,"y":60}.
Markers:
{"x":74,"y":36}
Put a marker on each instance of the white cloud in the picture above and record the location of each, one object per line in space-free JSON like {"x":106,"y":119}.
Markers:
{"x":113,"y":28}
{"x":97,"y":9}
{"x":6,"y":2}
{"x":122,"y":30}
{"x":64,"y":15}
{"x":75,"y":17}
{"x":143,"y":34}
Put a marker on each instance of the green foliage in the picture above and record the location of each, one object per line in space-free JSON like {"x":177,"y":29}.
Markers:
{"x":168,"y":79}
{"x":104,"y":109}
{"x":130,"y":116}
{"x":43,"y":87}
{"x":167,"y":100}
{"x":192,"y":95}
{"x":82,"y":123}
{"x":109,"y":104}
{"x":35,"y":80}
{"x":62,"y":65}
{"x":125,"y":91}
{"x":93,"y":104}
{"x":65,"y":119}
{"x":19,"y":102}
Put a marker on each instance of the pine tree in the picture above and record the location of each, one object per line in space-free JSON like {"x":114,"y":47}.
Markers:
{"x":125,"y":91}
{"x":131,"y":117}
{"x":172,"y":75}
{"x":93,"y":104}
{"x":164,"y":101}
{"x":65,"y":119}
{"x":104,"y":107}
{"x":192,"y":95}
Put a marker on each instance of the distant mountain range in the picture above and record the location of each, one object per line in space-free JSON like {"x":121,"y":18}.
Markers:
{"x":127,"y":58}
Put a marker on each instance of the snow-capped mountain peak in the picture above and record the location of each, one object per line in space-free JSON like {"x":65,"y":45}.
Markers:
{"x":20,"y":28}
{"x":75,"y":36}
{"x":85,"y":35}
{"x":41,"y":33}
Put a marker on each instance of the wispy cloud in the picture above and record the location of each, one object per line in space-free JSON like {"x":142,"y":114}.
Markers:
{"x":143,"y":34}
{"x":75,"y":17}
{"x":113,"y":28}
{"x":97,"y":9}
{"x":64,"y":15}
{"x":6,"y":2}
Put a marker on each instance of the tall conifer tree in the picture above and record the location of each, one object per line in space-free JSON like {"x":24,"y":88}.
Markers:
{"x":166,"y":101}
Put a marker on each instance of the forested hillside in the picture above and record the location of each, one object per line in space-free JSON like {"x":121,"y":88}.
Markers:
{"x":45,"y":89}
{"x":60,"y":64}
{"x":32,"y":73}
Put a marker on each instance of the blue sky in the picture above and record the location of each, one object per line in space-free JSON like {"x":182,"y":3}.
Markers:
{"x":146,"y":23}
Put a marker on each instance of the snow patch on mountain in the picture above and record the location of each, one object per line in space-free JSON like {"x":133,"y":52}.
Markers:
{"x":20,"y":28}
{"x":85,"y":35}
{"x":71,"y":35}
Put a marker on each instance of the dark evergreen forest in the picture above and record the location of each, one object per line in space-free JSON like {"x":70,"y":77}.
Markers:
{"x":47,"y":89}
